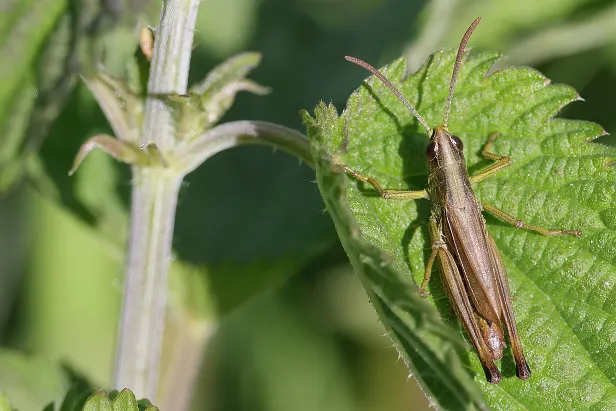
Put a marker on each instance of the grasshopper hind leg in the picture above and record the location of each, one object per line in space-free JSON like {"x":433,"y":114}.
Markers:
{"x":458,"y":296}
{"x":508,"y":218}
{"x":500,"y":163}
{"x":522,"y":368}
{"x":456,"y":291}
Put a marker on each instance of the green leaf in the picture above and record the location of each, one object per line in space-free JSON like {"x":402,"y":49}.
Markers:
{"x":563,"y":287}
{"x":98,"y":402}
{"x":24,"y":28}
{"x":423,"y":340}
{"x":217,"y":91}
{"x":44,"y":46}
{"x":125,"y":401}
{"x":5,"y":404}
{"x":30,"y":381}
{"x":122,"y":106}
{"x":76,"y":396}
{"x":117,"y":401}
{"x":124,"y":151}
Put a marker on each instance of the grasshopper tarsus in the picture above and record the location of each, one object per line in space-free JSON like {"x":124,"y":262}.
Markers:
{"x":493,"y":375}
{"x":575,"y":233}
{"x":522,"y":371}
{"x":423,"y":293}
{"x":554,"y":233}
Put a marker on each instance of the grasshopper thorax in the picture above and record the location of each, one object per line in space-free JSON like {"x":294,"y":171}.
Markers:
{"x":447,"y":174}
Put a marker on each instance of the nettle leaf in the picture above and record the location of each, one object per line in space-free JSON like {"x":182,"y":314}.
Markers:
{"x":26,"y":27}
{"x":564,"y":288}
{"x":30,"y":381}
{"x":117,"y":401}
{"x":216,"y":93}
{"x":44,"y":46}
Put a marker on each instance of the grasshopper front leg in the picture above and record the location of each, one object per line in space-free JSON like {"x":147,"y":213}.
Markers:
{"x":386,"y":194}
{"x":501,"y":162}
{"x":458,"y":296}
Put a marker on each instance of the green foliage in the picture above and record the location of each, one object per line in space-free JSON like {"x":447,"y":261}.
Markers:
{"x":75,"y":397}
{"x":30,"y":381}
{"x":563,"y":287}
{"x":554,"y":24}
{"x":47,"y":46}
{"x":19,"y":88}
{"x":5,"y":404}
{"x":247,"y":218}
{"x":216,"y":93}
{"x":207,"y":102}
{"x":122,"y":401}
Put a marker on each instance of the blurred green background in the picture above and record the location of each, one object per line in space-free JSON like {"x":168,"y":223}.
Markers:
{"x":296,"y":330}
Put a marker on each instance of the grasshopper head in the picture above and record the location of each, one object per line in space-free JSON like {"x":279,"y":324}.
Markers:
{"x":444,"y":148}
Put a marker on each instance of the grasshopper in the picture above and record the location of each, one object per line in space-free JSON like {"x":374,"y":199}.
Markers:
{"x":470,"y":265}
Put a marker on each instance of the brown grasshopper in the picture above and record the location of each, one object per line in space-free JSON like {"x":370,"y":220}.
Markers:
{"x":472,"y":271}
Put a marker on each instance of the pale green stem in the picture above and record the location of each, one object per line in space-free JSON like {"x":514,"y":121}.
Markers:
{"x":154,"y":198}
{"x":566,"y":39}
{"x":154,"y":201}
{"x":169,"y":71}
{"x":436,"y":19}
{"x":187,"y":338}
{"x":242,"y":132}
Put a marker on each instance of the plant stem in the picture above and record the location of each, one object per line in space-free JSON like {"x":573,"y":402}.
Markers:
{"x":565,"y":39}
{"x":241,"y":132}
{"x":154,"y":199}
{"x":169,"y":69}
{"x":435,"y":20}
{"x":145,"y":292}
{"x":188,"y":339}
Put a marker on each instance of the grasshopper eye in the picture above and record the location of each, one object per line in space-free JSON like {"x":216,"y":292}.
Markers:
{"x":457,"y":142}
{"x":431,"y":151}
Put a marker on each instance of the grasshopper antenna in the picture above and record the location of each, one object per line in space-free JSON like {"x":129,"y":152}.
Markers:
{"x":456,"y":68}
{"x":393,"y":89}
